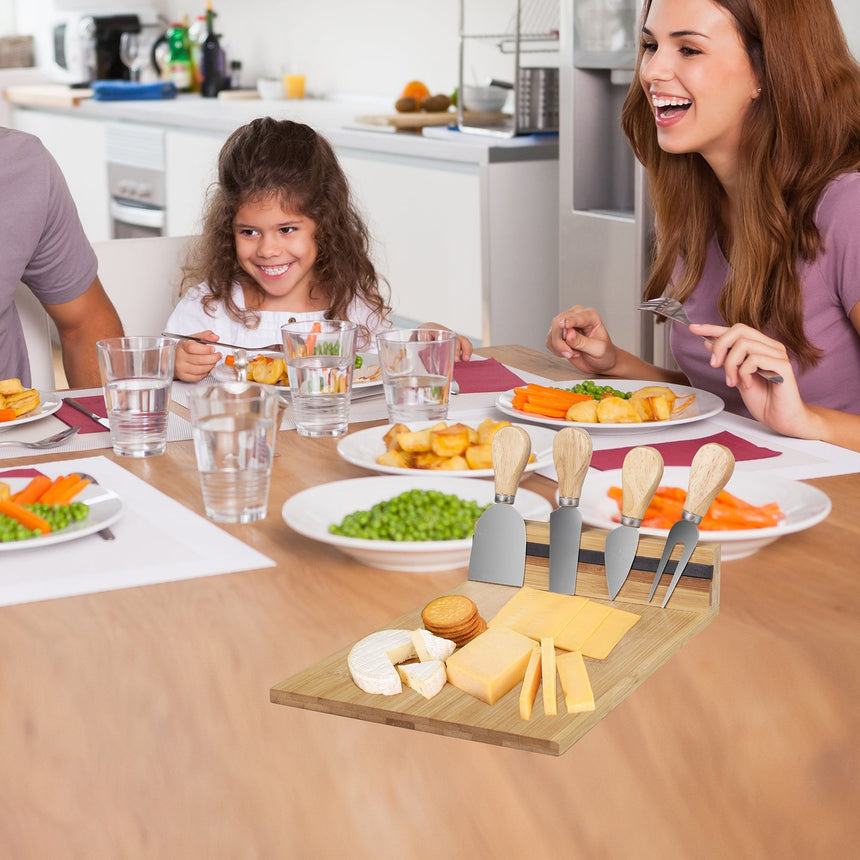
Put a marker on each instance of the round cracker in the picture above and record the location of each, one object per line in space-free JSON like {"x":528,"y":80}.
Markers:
{"x":448,"y":612}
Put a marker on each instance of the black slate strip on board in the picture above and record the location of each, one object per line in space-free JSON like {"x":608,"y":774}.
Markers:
{"x":640,"y":562}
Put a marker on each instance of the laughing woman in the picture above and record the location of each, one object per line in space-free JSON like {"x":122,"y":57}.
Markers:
{"x":746,"y":116}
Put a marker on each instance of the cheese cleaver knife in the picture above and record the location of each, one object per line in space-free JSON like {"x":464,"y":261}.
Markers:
{"x":640,"y":475}
{"x":571,"y":451}
{"x":499,"y":544}
{"x":710,"y":471}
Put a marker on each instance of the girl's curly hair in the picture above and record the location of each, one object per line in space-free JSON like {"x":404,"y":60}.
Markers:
{"x":290,"y":161}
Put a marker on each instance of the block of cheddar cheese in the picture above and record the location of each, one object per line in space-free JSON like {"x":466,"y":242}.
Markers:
{"x":491,"y":665}
{"x":575,"y":683}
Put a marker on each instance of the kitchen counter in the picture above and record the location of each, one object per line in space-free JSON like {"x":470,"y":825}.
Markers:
{"x":336,"y":118}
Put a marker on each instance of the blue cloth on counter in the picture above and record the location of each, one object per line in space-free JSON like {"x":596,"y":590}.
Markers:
{"x":115,"y":91}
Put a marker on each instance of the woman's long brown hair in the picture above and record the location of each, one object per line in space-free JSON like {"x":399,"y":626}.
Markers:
{"x":801,"y":132}
{"x":298,"y":166}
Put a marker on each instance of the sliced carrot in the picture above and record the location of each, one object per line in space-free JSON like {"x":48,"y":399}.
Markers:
{"x":69,"y":492}
{"x":26,"y":517}
{"x":230,"y":360}
{"x":33,"y":490}
{"x":311,"y":342}
{"x":58,"y":488}
{"x":549,"y":413}
{"x":7,"y":414}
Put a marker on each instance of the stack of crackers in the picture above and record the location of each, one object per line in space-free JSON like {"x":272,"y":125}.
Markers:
{"x":17,"y":399}
{"x":454,"y":617}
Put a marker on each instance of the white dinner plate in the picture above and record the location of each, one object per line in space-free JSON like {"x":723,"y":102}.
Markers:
{"x":705,"y":405}
{"x":363,"y":447}
{"x":105,"y":505}
{"x":49,"y":403}
{"x":224,"y":373}
{"x":802,"y":505}
{"x":312,"y":511}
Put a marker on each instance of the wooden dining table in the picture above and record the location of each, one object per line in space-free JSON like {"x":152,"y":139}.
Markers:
{"x":137,"y":722}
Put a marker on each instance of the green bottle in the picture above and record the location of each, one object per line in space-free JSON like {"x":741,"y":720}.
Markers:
{"x":179,"y":68}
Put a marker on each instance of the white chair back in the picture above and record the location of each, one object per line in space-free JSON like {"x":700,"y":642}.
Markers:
{"x":38,"y":335}
{"x":141,"y":277}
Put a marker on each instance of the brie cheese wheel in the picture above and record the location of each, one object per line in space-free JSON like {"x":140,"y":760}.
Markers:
{"x":371,"y":661}
{"x":428,"y":646}
{"x":426,"y":678}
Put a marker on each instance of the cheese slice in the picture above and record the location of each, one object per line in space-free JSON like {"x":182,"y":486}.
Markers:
{"x":426,"y":678}
{"x":582,"y":626}
{"x":371,"y":660}
{"x":431,"y":647}
{"x":490,"y":665}
{"x":531,"y":682}
{"x":608,"y":633}
{"x":547,"y":664}
{"x":575,"y":684}
{"x":537,"y":613}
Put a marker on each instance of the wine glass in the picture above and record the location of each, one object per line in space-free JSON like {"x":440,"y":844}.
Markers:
{"x":131,"y":54}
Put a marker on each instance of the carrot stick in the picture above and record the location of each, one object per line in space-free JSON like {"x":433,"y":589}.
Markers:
{"x":311,"y":342}
{"x":58,"y":488}
{"x":27,"y":518}
{"x":549,"y":413}
{"x":7,"y":414}
{"x":33,"y":490}
{"x":69,"y":492}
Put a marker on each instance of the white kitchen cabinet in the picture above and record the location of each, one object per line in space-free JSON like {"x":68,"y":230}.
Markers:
{"x":191,"y":160}
{"x":473,"y":246}
{"x":79,"y":146}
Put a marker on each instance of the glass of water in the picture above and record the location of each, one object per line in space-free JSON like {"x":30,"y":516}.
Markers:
{"x":234,"y":426}
{"x":417,"y":365}
{"x":137,"y":373}
{"x":320,"y":358}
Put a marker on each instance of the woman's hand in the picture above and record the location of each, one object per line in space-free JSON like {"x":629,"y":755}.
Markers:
{"x":463,"y":349}
{"x":741,"y":351}
{"x":579,"y":336}
{"x":194,"y":361}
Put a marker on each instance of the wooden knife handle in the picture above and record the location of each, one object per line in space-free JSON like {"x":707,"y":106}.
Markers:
{"x":510,"y":452}
{"x":571,"y":453}
{"x":640,"y":476}
{"x":709,"y":473}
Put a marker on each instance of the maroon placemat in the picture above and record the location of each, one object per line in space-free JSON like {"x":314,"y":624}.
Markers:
{"x":484,"y":376}
{"x":69,"y":415}
{"x":19,"y":473}
{"x":681,"y":453}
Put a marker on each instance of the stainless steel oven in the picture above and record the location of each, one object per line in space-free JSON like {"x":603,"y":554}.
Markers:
{"x":135,"y":156}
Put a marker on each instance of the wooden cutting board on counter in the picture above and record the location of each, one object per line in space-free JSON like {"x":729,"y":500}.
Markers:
{"x":47,"y":95}
{"x":328,"y":687}
{"x":421,"y":119}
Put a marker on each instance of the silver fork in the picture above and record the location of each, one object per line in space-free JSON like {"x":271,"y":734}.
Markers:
{"x":105,"y":533}
{"x":47,"y":442}
{"x":672,"y":309}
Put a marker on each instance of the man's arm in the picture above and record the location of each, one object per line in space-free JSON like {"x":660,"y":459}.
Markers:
{"x":80,"y":323}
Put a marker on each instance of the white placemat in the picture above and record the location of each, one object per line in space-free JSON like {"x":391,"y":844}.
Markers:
{"x":157,"y":540}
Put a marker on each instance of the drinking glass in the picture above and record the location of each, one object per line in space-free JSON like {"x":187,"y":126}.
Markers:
{"x":417,"y":365}
{"x":320,"y":358}
{"x":131,"y":54}
{"x":234,"y":426}
{"x":137,"y":373}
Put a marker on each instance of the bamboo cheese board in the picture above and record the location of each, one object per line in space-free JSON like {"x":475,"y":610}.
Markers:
{"x":47,"y":95}
{"x":417,"y":120}
{"x":328,"y":687}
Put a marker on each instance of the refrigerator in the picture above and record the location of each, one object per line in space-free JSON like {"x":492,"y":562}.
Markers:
{"x":605,"y":219}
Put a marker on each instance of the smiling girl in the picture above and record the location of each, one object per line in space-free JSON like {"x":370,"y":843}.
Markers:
{"x":746,"y":116}
{"x":282,"y":242}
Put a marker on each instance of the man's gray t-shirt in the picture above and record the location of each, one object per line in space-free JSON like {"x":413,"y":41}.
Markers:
{"x":42,"y":242}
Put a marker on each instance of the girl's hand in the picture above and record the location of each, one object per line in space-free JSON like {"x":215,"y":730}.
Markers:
{"x":463,"y":349}
{"x":194,"y":361}
{"x":579,"y":336}
{"x":741,"y":351}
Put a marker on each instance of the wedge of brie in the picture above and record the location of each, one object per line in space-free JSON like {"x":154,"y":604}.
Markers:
{"x":428,"y":646}
{"x":425,"y":678}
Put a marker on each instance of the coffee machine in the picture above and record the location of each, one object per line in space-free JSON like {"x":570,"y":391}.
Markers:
{"x":86,"y":45}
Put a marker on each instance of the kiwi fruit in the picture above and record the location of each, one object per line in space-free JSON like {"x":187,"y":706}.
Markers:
{"x":406,"y":104}
{"x":436,"y":104}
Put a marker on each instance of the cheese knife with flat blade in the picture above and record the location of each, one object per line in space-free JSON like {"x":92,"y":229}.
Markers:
{"x":499,"y":544}
{"x":571,"y":451}
{"x":640,"y":475}
{"x":710,"y":471}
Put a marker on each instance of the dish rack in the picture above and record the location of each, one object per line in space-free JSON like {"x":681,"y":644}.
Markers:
{"x":532,"y":29}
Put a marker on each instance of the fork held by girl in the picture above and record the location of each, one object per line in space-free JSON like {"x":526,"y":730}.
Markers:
{"x":746,"y":117}
{"x":282,"y":241}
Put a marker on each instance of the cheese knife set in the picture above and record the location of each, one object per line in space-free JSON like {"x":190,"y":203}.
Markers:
{"x":499,"y":544}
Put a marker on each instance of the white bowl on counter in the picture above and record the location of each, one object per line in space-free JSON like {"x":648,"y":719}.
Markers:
{"x":312,"y":511}
{"x":484,"y":99}
{"x":271,"y":89}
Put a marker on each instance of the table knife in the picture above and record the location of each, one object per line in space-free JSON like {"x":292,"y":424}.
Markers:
{"x":81,"y":408}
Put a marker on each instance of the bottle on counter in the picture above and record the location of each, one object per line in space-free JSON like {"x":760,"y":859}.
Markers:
{"x":212,"y":59}
{"x":196,"y":35}
{"x":177,"y":65}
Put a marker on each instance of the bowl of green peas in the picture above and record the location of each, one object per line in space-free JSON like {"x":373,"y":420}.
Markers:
{"x":411,"y":524}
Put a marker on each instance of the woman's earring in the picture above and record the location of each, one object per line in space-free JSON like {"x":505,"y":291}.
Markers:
{"x":757,"y":93}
